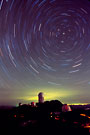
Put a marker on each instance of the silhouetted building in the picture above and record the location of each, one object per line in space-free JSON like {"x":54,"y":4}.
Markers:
{"x":32,"y":104}
{"x":20,"y":104}
{"x":66,"y":108}
{"x":40,"y":97}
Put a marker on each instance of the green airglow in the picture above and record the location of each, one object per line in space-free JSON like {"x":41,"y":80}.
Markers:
{"x":49,"y":94}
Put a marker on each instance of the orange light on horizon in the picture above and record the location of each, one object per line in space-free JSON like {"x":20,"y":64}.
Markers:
{"x":86,"y":126}
{"x":83,"y":115}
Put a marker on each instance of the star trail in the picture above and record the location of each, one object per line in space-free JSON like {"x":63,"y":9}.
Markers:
{"x":44,"y":46}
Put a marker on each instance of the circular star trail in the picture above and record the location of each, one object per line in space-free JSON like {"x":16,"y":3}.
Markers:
{"x":45,"y":40}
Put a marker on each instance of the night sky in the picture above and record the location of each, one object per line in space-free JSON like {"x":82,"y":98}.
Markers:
{"x":44,"y":47}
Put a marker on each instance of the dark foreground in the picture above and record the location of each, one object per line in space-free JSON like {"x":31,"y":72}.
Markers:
{"x":34,"y":120}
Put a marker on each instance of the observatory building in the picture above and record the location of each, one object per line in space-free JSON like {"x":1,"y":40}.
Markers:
{"x":40,"y":97}
{"x":66,"y":108}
